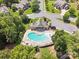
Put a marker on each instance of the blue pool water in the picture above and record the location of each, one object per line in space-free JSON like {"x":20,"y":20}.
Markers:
{"x":37,"y":37}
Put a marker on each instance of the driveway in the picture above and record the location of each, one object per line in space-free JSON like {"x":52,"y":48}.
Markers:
{"x":42,"y":5}
{"x":55,"y":22}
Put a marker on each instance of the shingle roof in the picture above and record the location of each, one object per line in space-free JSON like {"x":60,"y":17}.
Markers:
{"x":4,"y":9}
{"x":21,"y":4}
{"x":60,"y":2}
{"x":39,"y":24}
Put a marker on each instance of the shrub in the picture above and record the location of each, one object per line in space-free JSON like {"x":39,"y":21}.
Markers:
{"x":25,"y":19}
{"x":14,"y":8}
{"x":21,"y":11}
{"x":77,"y":22}
{"x":66,"y":17}
{"x":4,"y":54}
{"x":35,"y":6}
{"x":19,"y":52}
{"x":72,"y":12}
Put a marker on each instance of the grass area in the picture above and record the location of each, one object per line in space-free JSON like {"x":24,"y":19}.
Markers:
{"x":28,"y":11}
{"x":73,"y":23}
{"x":16,"y":13}
{"x":46,"y":54}
{"x":50,"y":6}
{"x":27,"y":26}
{"x":73,"y":5}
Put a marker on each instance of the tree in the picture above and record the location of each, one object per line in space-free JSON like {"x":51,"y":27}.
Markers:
{"x":19,"y":28}
{"x":76,"y":34}
{"x":5,"y":54}
{"x":66,"y":17}
{"x":35,"y":6}
{"x":2,"y":34}
{"x":59,"y":41}
{"x":67,"y":0}
{"x":23,"y":52}
{"x":1,"y":1}
{"x":10,"y":2}
{"x":21,"y":11}
{"x":14,"y":8}
{"x":76,"y":46}
{"x":25,"y":19}
{"x":72,"y":12}
{"x":77,"y":22}
{"x":19,"y":52}
{"x":11,"y":29}
{"x":66,"y":43}
{"x":72,"y":1}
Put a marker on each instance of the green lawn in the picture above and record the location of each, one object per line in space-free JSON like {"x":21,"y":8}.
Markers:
{"x":28,"y":11}
{"x":45,"y":54}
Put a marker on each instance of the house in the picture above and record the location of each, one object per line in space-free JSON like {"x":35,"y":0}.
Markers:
{"x":25,"y":4}
{"x":19,"y":6}
{"x":22,"y":5}
{"x":4,"y":9}
{"x":61,"y":4}
{"x":39,"y":25}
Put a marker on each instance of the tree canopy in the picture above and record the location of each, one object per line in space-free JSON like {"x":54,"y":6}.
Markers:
{"x":19,"y":52}
{"x":66,"y":43}
{"x":23,"y":52}
{"x":35,"y":6}
{"x":11,"y":28}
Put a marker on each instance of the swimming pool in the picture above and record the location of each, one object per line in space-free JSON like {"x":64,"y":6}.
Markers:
{"x":37,"y":37}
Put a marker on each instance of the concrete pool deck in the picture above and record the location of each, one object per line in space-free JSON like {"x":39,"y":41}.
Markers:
{"x":27,"y":41}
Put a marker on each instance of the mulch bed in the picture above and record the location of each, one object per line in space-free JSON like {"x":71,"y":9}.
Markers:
{"x":10,"y":46}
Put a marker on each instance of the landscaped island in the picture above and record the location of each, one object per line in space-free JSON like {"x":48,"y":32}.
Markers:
{"x":39,"y":29}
